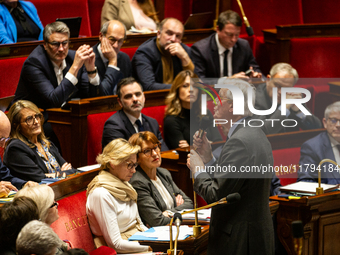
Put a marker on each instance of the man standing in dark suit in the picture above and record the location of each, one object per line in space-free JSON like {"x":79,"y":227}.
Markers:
{"x":158,"y":60}
{"x":224,"y":53}
{"x":129,"y":120}
{"x":112,"y":64}
{"x":326,"y":145}
{"x":282,"y":75}
{"x":244,"y":227}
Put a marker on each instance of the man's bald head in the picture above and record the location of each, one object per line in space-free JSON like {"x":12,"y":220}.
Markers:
{"x":115,"y":32}
{"x":5,"y":127}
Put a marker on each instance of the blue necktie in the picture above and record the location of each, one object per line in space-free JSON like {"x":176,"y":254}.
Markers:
{"x":140,"y":126}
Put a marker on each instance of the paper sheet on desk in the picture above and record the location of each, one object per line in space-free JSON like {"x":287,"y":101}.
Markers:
{"x":203,"y":214}
{"x":88,"y":168}
{"x":162,"y":233}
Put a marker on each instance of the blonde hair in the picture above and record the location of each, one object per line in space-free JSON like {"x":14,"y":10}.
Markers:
{"x":42,"y":195}
{"x":116,"y":152}
{"x":14,"y":115}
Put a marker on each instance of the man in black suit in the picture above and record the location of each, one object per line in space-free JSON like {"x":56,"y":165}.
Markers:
{"x":158,"y":60}
{"x":129,"y":119}
{"x":224,"y":53}
{"x":282,"y":75}
{"x":112,"y":64}
{"x":244,"y":227}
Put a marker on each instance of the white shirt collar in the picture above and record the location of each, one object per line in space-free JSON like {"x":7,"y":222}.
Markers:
{"x":220,"y":48}
{"x":58,"y":69}
{"x":133,"y":119}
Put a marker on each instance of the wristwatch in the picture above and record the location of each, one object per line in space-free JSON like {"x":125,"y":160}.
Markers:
{"x":92,"y":72}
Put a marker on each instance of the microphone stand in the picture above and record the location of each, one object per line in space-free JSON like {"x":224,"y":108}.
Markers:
{"x":217,"y":13}
{"x":249,"y":29}
{"x":196,"y":228}
{"x":319,"y":189}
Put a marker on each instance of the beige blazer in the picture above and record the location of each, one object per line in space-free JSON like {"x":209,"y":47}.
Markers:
{"x":118,"y":10}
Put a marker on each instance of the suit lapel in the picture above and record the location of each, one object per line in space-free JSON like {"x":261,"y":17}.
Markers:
{"x":127,"y":123}
{"x":101,"y":68}
{"x":215,"y":57}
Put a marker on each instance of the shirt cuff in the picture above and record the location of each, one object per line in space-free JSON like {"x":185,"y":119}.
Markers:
{"x":95,"y":80}
{"x":71,"y":78}
{"x":115,"y":67}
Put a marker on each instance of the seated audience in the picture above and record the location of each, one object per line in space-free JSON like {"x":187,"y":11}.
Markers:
{"x":6,"y":179}
{"x":13,"y":217}
{"x":111,"y":200}
{"x":129,"y":119}
{"x":183,"y":101}
{"x":19,"y":22}
{"x":223,"y":53}
{"x":140,"y":14}
{"x":37,"y":237}
{"x":29,"y":155}
{"x":43,"y":196}
{"x":158,"y":60}
{"x":112,"y":64}
{"x":158,"y":195}
{"x":282,"y":75}
{"x":325,"y":145}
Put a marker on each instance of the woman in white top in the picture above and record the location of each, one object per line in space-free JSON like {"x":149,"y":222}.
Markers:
{"x":111,"y":201}
{"x":138,"y":13}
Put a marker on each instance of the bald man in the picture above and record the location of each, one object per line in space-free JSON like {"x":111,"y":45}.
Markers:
{"x":112,"y":64}
{"x":6,"y":179}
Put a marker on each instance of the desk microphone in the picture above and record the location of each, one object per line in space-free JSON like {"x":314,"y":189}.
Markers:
{"x":297,"y":229}
{"x":249,"y":29}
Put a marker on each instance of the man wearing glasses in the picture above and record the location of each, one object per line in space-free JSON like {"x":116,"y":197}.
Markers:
{"x":112,"y":64}
{"x":326,"y":145}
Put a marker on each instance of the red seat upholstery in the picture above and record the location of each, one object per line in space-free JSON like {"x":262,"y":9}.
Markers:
{"x":49,"y":11}
{"x":10,"y":74}
{"x":156,"y":112}
{"x":95,"y":127}
{"x":95,"y":11}
{"x":73,"y":225}
{"x":316,"y":11}
{"x":129,"y":51}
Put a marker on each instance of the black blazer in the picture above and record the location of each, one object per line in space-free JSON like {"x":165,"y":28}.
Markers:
{"x":204,"y":54}
{"x":119,"y":126}
{"x":5,"y":175}
{"x":150,"y":202}
{"x":38,"y":82}
{"x":109,"y":77}
{"x":25,"y":163}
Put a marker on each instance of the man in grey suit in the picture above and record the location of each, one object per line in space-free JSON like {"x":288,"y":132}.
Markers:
{"x":244,"y":227}
{"x":282,"y":75}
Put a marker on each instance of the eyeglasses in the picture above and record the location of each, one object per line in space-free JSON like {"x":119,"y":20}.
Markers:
{"x":4,"y":139}
{"x":114,"y":40}
{"x":334,"y":121}
{"x":56,"y":45}
{"x":55,"y":204}
{"x":131,"y":165}
{"x":148,"y":152}
{"x":30,"y":119}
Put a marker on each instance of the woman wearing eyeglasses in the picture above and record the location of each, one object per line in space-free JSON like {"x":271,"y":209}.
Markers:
{"x":28,"y":154}
{"x":158,"y":195}
{"x":111,"y":200}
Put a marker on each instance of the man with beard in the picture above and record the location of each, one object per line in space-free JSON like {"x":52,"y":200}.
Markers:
{"x":157,"y":61}
{"x":129,"y":120}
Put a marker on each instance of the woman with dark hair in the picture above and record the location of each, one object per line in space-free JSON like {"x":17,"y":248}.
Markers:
{"x":28,"y":154}
{"x":138,"y":13}
{"x":158,"y":195}
{"x":19,"y":22}
{"x":182,"y":114}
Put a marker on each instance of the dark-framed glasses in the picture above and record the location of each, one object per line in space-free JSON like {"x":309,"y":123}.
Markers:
{"x":114,"y":40}
{"x":147,"y":152}
{"x":30,"y":119}
{"x":55,"y":204}
{"x":131,"y":165}
{"x":334,"y":121}
{"x":4,"y":139}
{"x":56,"y":45}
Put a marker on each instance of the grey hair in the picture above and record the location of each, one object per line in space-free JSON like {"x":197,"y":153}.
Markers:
{"x":55,"y":27}
{"x":105,"y":27}
{"x":37,"y":237}
{"x":335,"y":107}
{"x":243,"y":86}
{"x":284,"y":68}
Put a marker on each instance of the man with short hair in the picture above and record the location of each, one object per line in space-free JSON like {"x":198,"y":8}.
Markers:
{"x":129,"y":119}
{"x":244,"y":227}
{"x":158,"y":60}
{"x":223,"y":53}
{"x":282,"y":75}
{"x":112,"y":64}
{"x":325,"y":145}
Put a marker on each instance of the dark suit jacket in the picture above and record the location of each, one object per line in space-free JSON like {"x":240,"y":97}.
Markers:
{"x":312,"y":152}
{"x":147,"y":65}
{"x":38,"y":82}
{"x":264,"y":102}
{"x":119,"y":126}
{"x":204,"y":54}
{"x":25,"y":163}
{"x":244,"y":227}
{"x":5,"y":175}
{"x":109,"y":77}
{"x":150,"y":202}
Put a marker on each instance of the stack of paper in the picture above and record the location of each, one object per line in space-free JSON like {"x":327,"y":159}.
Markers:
{"x":307,"y":187}
{"x":162,"y":233}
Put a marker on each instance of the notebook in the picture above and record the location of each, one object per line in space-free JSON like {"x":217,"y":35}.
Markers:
{"x":199,"y":20}
{"x":73,"y":24}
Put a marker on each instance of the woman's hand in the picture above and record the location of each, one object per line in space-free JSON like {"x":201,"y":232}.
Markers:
{"x":66,"y":166}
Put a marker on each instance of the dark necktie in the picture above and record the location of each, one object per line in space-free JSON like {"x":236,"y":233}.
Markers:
{"x":140,"y":126}
{"x":225,"y":63}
